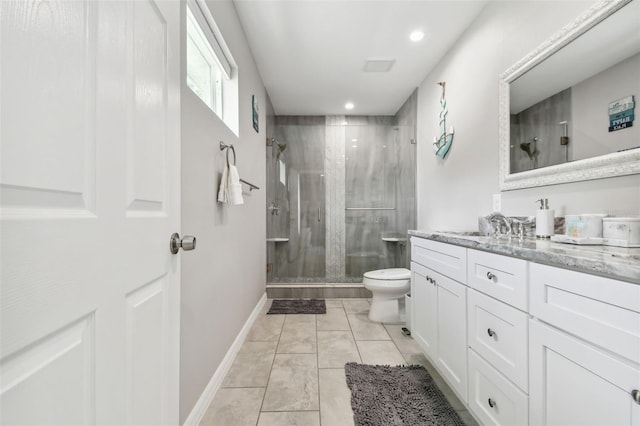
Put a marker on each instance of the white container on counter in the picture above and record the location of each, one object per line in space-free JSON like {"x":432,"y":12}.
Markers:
{"x":583,"y":225}
{"x":621,"y":231}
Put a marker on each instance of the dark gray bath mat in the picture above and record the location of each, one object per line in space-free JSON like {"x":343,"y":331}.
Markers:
{"x":298,"y":306}
{"x":397,"y":396}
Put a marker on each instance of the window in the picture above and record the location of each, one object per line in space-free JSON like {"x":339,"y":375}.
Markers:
{"x":211,"y":74}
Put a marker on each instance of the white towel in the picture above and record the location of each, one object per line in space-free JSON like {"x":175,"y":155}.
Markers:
{"x":230,"y":191}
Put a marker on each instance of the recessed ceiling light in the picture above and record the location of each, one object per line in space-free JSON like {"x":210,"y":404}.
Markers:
{"x":354,"y":140}
{"x":349,"y":105}
{"x":354,"y":146}
{"x":416,"y":35}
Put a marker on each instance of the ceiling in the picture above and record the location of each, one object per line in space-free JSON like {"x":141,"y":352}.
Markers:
{"x":311,"y":54}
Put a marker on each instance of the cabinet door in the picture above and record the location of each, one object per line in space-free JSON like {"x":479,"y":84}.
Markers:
{"x":424,"y":310}
{"x":574,"y":383}
{"x":452,"y":333}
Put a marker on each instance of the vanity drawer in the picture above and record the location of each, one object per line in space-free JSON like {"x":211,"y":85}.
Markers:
{"x":499,"y":333}
{"x":600,"y":310}
{"x":502,"y":277}
{"x":493,"y":399}
{"x":447,"y":259}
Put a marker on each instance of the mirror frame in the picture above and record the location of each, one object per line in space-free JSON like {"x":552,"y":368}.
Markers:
{"x":604,"y":166}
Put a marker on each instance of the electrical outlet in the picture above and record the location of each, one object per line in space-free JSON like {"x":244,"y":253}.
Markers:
{"x":497,"y":202}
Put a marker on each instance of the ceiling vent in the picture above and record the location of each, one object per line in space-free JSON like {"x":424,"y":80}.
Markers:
{"x":378,"y":65}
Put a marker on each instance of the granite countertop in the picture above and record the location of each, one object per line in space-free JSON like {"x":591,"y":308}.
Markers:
{"x":611,"y":262}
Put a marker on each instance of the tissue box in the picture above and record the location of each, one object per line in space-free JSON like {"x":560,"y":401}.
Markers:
{"x":584,"y":225}
{"x":621,"y":231}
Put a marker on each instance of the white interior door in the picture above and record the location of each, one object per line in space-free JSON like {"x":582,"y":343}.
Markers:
{"x":89,"y":187}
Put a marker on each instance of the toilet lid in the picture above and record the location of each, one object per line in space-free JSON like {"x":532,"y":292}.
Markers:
{"x":389,"y":274}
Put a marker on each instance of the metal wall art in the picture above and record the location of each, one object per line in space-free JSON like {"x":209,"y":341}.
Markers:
{"x":442,"y":143}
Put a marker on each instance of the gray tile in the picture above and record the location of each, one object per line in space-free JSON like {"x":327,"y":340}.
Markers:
{"x":380,"y":353}
{"x":365,"y":293}
{"x":467,"y":418}
{"x":333,"y":303}
{"x":266,"y":307}
{"x":334,"y":319}
{"x":234,"y":407}
{"x":335,"y":398}
{"x":293,"y":384}
{"x":356,"y":306}
{"x":335,"y":348}
{"x":252,"y":365}
{"x":278,"y":293}
{"x":289,"y":418}
{"x":298,"y":335}
{"x":405,"y":344}
{"x":363,"y":329}
{"x":294,"y":319}
{"x":267,"y":328}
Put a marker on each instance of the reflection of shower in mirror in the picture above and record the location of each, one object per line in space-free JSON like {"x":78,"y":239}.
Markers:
{"x":530,"y":150}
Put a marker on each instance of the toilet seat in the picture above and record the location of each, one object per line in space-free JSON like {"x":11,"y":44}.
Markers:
{"x":389,"y":274}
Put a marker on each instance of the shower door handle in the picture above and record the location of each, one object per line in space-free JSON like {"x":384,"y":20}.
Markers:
{"x":318,"y":214}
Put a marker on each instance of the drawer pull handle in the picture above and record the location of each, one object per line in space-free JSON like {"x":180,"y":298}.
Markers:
{"x":635,"y":394}
{"x":492,"y":403}
{"x":490,"y":332}
{"x":490,"y":276}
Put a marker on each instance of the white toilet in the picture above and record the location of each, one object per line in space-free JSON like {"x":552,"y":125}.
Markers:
{"x":389,"y":287}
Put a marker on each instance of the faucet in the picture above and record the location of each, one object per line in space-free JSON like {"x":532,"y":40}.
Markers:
{"x":497,"y":217}
{"x":274,"y":208}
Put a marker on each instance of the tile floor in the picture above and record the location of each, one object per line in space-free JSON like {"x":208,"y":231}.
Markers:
{"x":290,"y":369}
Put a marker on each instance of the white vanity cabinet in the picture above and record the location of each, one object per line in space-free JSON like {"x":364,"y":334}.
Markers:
{"x":584,"y":349}
{"x":525,"y":343}
{"x":440,"y":309}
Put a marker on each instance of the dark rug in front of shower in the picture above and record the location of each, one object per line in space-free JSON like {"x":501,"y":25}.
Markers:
{"x":298,"y":306}
{"x":397,"y":396}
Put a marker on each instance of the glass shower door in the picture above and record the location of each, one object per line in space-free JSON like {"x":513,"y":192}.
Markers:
{"x":379,"y":197}
{"x":297,"y":189}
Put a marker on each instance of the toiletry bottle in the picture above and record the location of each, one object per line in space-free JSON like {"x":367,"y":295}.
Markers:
{"x":544,"y":220}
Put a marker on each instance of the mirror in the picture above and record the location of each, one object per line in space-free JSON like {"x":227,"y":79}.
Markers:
{"x":558,"y":104}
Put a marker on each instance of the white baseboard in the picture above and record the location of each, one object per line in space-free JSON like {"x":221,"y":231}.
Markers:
{"x":197,"y":413}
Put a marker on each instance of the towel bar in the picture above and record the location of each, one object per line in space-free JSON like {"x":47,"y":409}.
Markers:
{"x":251,"y":186}
{"x":230,"y":147}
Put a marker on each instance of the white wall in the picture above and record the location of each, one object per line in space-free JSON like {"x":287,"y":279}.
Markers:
{"x":224,"y":278}
{"x":589,"y":102}
{"x":453,"y":192}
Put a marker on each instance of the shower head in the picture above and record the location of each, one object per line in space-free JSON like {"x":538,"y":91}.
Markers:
{"x":526,"y":147}
{"x":281,"y":147}
{"x":530,"y":150}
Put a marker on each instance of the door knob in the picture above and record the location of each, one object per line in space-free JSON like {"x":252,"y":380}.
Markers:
{"x":188,"y":242}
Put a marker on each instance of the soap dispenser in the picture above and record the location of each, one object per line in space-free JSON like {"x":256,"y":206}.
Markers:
{"x":545,"y":220}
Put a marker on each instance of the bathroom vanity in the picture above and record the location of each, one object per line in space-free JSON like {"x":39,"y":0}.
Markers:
{"x":530,"y":332}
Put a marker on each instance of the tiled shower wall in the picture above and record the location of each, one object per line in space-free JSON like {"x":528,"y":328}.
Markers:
{"x":325,"y":175}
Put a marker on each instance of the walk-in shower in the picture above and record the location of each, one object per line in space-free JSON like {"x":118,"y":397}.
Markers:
{"x":340,"y":197}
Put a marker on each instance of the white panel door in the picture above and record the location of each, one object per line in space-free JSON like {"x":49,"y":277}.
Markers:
{"x":424,"y":294}
{"x":452,"y":333}
{"x":574,"y":383}
{"x":89,"y":188}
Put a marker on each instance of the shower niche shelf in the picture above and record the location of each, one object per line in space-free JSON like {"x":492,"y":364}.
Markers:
{"x":277,"y":240}
{"x":394,"y":239}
